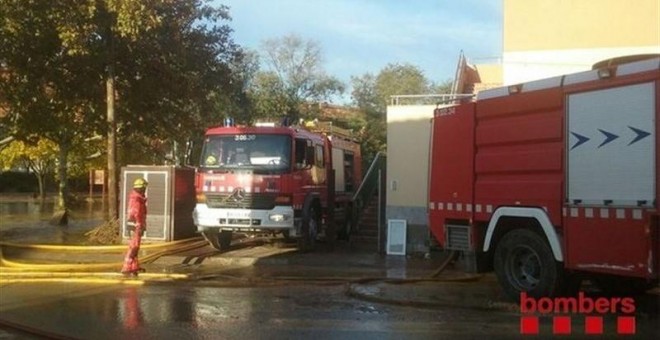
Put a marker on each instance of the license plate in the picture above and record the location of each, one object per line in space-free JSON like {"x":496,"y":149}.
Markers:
{"x":237,"y":214}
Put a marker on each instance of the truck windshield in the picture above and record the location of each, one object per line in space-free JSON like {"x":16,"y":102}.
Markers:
{"x":267,"y":153}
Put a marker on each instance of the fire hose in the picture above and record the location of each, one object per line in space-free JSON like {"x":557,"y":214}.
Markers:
{"x":13,"y":271}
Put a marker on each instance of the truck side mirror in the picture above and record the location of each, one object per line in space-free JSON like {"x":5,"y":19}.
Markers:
{"x":187,"y":157}
{"x":309,"y":156}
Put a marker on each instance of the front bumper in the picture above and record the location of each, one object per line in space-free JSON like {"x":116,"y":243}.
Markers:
{"x":243,"y":220}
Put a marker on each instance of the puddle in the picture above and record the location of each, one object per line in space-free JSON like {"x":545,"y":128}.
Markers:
{"x":27,"y":221}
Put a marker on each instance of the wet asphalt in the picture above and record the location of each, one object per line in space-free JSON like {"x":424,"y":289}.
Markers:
{"x":267,"y":290}
{"x":272,"y":291}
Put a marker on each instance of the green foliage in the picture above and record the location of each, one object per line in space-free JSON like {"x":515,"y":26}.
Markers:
{"x":85,"y":155}
{"x":444,"y":87}
{"x":294,"y":78}
{"x":397,"y":79}
{"x":237,"y":102}
{"x":172,"y":76}
{"x":364,"y":93}
{"x":269,"y":98}
{"x":372,"y":95}
{"x":172,"y":62}
{"x":39,"y":158}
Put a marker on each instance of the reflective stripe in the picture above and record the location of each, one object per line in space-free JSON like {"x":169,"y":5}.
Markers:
{"x":571,"y":212}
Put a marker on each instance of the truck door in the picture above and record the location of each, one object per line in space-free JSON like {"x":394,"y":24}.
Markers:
{"x":611,"y":179}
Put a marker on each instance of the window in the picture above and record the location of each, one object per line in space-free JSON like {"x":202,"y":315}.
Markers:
{"x":301,"y":151}
{"x":247,"y":151}
{"x":319,"y":156}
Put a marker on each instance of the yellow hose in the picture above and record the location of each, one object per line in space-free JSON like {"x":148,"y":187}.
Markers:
{"x":56,"y":267}
{"x":16,"y":272}
{"x":73,"y":280}
{"x":13,"y":265}
{"x":119,"y":247}
{"x":89,"y":274}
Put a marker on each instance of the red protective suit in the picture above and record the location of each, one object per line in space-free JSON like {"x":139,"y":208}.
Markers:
{"x":137,"y":213}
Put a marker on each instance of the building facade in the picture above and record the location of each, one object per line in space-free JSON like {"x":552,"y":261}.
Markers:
{"x":545,"y":38}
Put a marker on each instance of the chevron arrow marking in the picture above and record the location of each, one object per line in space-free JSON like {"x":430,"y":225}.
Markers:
{"x":609,"y":137}
{"x":641,"y":134}
{"x":580,"y":140}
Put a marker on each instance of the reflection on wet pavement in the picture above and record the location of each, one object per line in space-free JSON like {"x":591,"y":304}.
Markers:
{"x":26,"y":221}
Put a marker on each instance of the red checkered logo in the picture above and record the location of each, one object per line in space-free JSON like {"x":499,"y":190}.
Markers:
{"x":562,"y":311}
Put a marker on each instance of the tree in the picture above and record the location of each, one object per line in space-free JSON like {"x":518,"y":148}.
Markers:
{"x":294,"y":77}
{"x":399,"y":79}
{"x":46,"y":88}
{"x":372,"y":95}
{"x":364,"y":93}
{"x":269,"y":98}
{"x":39,"y":158}
{"x":444,"y":87}
{"x":167,"y":62}
{"x":238,"y":102}
{"x":178,"y":78}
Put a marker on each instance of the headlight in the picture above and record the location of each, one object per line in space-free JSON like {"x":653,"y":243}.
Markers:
{"x":279,"y":217}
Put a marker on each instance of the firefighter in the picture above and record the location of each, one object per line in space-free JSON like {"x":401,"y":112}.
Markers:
{"x":137,"y":215}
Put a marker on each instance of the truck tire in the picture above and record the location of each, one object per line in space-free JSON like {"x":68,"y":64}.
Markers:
{"x":524,"y":263}
{"x":309,"y":229}
{"x":219,"y":241}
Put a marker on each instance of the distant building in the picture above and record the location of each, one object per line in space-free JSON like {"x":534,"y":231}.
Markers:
{"x":545,"y":38}
{"x":541,"y":38}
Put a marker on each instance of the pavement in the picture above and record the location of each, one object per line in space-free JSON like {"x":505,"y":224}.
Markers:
{"x":403,"y":280}
{"x":368,"y":273}
{"x":411,"y":280}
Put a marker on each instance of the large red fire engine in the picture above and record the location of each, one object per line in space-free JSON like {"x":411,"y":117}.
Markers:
{"x":275,"y":180}
{"x":554,"y":180}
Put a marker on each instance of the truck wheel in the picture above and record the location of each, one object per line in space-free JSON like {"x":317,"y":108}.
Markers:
{"x":309,"y":229}
{"x":220,"y":241}
{"x":524,"y":263}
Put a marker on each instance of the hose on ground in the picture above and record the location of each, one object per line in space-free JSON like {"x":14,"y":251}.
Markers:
{"x":110,"y":248}
{"x":95,"y":266}
{"x":63,"y":273}
{"x":450,"y":257}
{"x":286,"y":280}
{"x":57,"y":273}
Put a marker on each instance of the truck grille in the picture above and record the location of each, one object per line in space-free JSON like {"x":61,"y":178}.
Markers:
{"x":249,"y":201}
{"x":458,"y":237}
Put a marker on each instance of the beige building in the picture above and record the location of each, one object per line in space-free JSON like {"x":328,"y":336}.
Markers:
{"x":544,"y":38}
{"x":408,"y":136}
{"x":541,"y":38}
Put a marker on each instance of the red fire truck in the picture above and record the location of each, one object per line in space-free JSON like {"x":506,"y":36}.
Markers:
{"x":552,"y":181}
{"x":277,"y":180}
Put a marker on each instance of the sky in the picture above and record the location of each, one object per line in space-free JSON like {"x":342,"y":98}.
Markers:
{"x":363,"y":36}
